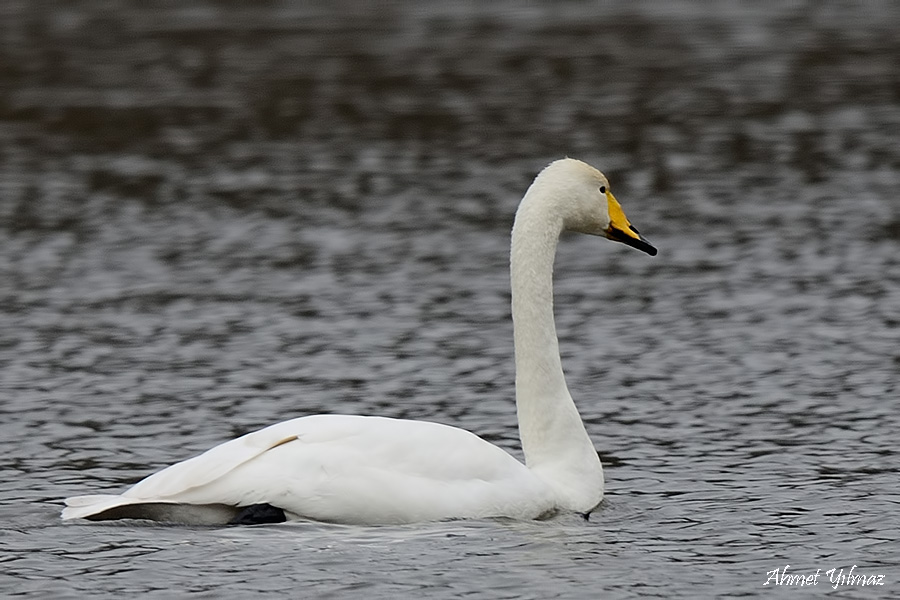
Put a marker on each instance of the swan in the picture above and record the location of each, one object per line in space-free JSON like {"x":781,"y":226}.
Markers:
{"x":376,"y":470}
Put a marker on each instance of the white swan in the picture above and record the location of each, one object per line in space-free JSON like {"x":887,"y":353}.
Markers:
{"x":374,"y":470}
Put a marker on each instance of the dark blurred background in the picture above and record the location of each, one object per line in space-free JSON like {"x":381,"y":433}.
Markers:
{"x":161,"y":101}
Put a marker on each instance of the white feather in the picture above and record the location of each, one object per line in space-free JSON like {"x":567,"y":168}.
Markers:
{"x":368,"y":470}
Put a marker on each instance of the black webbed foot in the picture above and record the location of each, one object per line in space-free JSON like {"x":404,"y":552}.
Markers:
{"x":256,"y":514}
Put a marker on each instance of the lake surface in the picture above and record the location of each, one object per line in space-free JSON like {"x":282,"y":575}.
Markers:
{"x":213,"y":218}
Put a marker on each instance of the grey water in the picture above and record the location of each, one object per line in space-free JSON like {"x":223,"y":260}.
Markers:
{"x":215,"y":216}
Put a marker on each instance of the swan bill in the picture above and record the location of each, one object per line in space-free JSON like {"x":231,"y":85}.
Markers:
{"x":621,"y":230}
{"x":635,"y":242}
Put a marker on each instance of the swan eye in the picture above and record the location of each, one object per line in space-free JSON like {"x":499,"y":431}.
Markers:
{"x":602,"y":189}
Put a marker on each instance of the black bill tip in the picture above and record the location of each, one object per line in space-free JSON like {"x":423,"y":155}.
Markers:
{"x":635,"y":242}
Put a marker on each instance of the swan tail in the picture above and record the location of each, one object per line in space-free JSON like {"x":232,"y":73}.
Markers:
{"x":82,"y":507}
{"x":109,"y":507}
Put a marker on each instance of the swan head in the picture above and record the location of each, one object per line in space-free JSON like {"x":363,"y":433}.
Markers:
{"x":582,"y":197}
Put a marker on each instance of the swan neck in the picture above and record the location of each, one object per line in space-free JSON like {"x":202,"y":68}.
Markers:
{"x":550,"y":427}
{"x":539,"y":371}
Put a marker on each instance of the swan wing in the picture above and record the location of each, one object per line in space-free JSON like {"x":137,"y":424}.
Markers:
{"x":371,"y":470}
{"x":214,"y":463}
{"x":168,"y":484}
{"x":348,"y":469}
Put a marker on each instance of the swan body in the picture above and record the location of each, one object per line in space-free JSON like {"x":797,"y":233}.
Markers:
{"x":376,"y":470}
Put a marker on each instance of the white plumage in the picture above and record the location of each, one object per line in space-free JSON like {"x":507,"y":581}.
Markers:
{"x":374,"y":470}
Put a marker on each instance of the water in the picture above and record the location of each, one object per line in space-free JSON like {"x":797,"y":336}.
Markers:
{"x":213,"y":218}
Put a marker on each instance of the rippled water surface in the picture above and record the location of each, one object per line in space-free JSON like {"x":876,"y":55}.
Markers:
{"x":213,"y":218}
